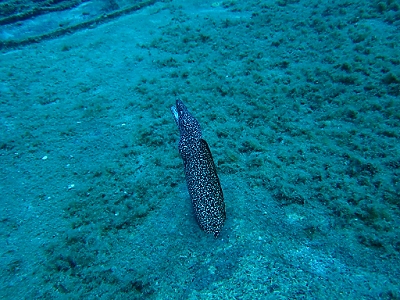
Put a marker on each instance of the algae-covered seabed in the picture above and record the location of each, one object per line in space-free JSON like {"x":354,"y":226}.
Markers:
{"x":299,"y":102}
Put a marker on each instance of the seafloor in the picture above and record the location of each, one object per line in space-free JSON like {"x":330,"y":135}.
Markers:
{"x":299,"y":102}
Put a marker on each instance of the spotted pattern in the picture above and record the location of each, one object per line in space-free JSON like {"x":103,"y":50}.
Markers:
{"x":201,"y":175}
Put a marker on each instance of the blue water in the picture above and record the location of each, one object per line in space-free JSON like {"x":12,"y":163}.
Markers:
{"x":299,"y":103}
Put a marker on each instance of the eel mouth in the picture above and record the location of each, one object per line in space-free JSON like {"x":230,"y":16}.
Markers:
{"x":175,"y":114}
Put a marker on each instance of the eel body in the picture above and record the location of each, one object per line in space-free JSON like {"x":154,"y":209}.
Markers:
{"x":201,"y":175}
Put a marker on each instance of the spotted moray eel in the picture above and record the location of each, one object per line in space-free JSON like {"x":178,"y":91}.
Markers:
{"x":201,"y":175}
